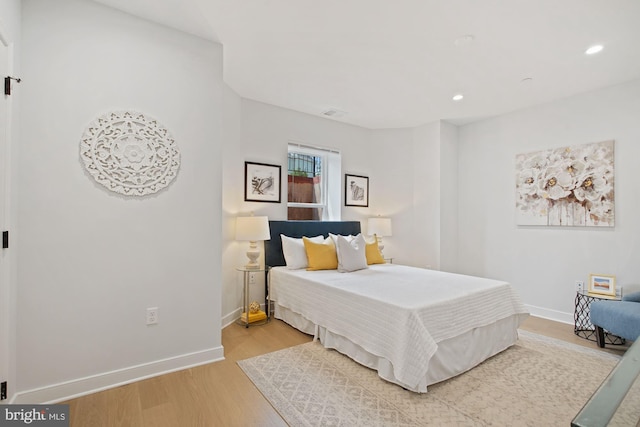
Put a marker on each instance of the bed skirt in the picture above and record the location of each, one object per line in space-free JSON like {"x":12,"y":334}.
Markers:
{"x":453,"y":356}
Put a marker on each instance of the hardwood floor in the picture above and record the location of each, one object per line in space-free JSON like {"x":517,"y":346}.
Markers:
{"x":564,"y":332}
{"x":219,"y":394}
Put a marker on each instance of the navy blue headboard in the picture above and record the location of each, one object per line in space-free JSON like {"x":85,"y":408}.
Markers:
{"x":273,"y":255}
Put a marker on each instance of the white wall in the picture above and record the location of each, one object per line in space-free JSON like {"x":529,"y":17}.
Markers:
{"x":448,"y":197}
{"x":541,"y":262}
{"x":232,"y":200}
{"x":89,"y":261}
{"x":391,"y":159}
{"x":425,"y":157}
{"x":429,"y":238}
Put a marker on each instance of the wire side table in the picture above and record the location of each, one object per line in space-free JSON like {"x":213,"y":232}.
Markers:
{"x":582,"y":322}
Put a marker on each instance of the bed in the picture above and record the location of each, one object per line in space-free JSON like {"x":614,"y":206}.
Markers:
{"x":414,"y":326}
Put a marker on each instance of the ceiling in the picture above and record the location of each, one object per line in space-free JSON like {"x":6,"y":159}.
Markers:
{"x":398,"y":63}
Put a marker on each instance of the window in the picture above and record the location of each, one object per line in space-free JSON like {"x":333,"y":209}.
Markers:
{"x":313,"y":183}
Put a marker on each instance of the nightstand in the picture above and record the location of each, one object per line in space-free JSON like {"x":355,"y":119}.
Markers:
{"x":261,"y":317}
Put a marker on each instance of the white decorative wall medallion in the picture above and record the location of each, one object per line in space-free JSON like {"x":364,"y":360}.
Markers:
{"x":130,"y":153}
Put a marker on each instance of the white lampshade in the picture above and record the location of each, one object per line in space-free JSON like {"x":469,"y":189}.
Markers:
{"x":379,"y":226}
{"x":252,"y":228}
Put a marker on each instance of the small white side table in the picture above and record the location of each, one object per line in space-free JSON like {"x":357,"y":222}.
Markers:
{"x":246,"y":300}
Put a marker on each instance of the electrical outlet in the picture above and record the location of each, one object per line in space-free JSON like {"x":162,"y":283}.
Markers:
{"x":152,"y":315}
{"x":579,"y":286}
{"x":252,"y":278}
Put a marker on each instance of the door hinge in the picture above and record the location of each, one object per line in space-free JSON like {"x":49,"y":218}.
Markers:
{"x":5,"y":239}
{"x":7,"y":84}
{"x":3,"y":390}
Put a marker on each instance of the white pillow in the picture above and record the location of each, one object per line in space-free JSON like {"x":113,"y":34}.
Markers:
{"x":294,"y":253}
{"x":334,"y":237}
{"x":349,"y":238}
{"x":351,"y":254}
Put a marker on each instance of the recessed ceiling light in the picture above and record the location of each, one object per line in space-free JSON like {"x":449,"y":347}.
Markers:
{"x":458,"y":97}
{"x":594,"y":49}
{"x":464,"y":40}
{"x":334,"y":112}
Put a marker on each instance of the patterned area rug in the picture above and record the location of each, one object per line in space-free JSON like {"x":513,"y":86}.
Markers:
{"x":538,"y":382}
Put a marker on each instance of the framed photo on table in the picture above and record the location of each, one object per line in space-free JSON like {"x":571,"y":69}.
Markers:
{"x":356,"y":190}
{"x":262,"y":182}
{"x":601,"y":284}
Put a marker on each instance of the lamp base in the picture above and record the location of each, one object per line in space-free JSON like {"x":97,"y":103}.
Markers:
{"x":253,"y":253}
{"x":380,"y":245}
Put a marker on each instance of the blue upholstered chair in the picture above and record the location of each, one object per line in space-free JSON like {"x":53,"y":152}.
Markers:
{"x":621,"y":318}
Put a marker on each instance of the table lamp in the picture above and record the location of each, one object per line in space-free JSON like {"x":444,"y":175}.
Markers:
{"x":379,"y":227}
{"x":252,"y":229}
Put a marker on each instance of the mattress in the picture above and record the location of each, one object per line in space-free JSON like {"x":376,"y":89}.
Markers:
{"x":402,"y":321}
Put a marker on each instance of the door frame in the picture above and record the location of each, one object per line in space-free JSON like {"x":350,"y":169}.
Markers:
{"x":7,"y":305}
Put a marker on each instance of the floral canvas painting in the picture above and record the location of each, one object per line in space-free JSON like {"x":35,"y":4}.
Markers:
{"x":570,"y":186}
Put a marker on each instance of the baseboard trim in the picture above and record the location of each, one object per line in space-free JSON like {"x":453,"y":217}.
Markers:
{"x":80,"y":387}
{"x":558,"y":316}
{"x":231,"y":317}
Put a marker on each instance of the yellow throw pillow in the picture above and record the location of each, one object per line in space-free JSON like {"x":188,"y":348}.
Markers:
{"x":321,"y":256}
{"x":372,"y":251}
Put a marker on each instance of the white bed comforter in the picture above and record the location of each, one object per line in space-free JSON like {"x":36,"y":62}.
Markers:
{"x":395,"y":312}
